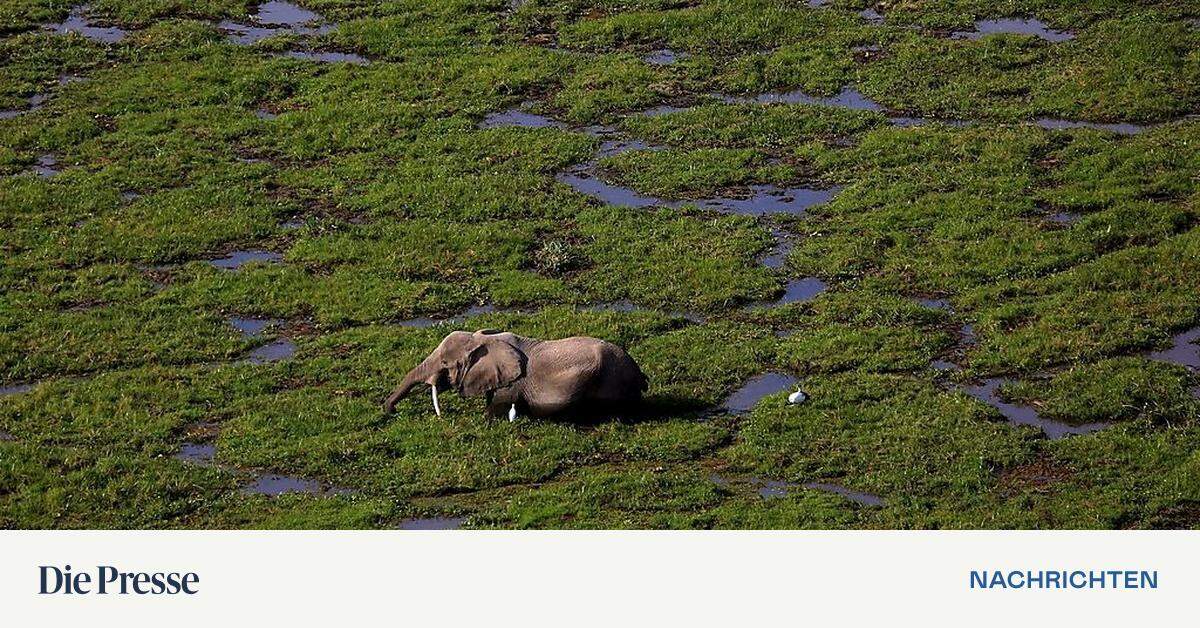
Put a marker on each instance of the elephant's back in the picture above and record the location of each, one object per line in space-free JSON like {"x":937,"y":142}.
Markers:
{"x":618,"y":373}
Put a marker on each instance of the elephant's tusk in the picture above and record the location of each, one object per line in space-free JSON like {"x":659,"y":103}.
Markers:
{"x":436,"y":407}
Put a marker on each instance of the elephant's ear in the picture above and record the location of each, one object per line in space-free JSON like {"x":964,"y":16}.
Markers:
{"x":490,"y":365}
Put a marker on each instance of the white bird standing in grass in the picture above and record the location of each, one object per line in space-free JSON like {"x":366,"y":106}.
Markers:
{"x":797,"y":397}
{"x":512,"y":413}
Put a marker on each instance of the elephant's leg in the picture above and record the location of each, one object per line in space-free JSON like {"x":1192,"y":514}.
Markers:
{"x":501,"y":403}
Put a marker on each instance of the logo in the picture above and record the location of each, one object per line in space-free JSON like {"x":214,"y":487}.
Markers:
{"x":110,"y":580}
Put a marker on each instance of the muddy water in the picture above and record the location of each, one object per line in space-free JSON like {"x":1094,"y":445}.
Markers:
{"x":277,"y":351}
{"x":760,"y":199}
{"x":1120,"y":128}
{"x":585,"y":183}
{"x":935,"y":304}
{"x":432,"y":523}
{"x":245,"y":35}
{"x":474,"y":310}
{"x":873,"y":17}
{"x":799,"y":290}
{"x":779,"y":251}
{"x":745,"y":398}
{"x":45,"y":166}
{"x":1064,"y":218}
{"x":519,"y":118}
{"x":77,"y":22}
{"x":909,"y":122}
{"x":1183,"y":351}
{"x":848,"y":98}
{"x":613,"y":146}
{"x":284,"y":14}
{"x":15,"y":389}
{"x":252,"y":327}
{"x":272,"y":484}
{"x":763,"y":199}
{"x":987,"y":392}
{"x":966,"y":339}
{"x":769,"y":199}
{"x":237,"y":259}
{"x":858,"y":497}
{"x":328,"y":57}
{"x":661,"y":110}
{"x":263,"y":114}
{"x":197,"y":453}
{"x":37,"y":100}
{"x":664,"y":57}
{"x":1014,"y":26}
{"x":275,"y":18}
{"x":771,"y":489}
{"x":5,"y":437}
{"x":775,"y":489}
{"x":266,"y":484}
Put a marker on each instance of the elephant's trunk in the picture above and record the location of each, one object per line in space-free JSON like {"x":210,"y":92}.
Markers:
{"x":421,"y":373}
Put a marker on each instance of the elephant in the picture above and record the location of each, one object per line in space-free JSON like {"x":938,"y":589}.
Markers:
{"x":539,"y":378}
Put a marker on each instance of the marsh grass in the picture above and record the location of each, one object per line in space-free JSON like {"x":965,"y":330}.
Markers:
{"x":387,"y":202}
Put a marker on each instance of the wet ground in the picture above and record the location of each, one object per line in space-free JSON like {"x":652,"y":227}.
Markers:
{"x":79,"y":22}
{"x":197,"y":453}
{"x":328,"y":57}
{"x":275,"y":18}
{"x":1015,"y":26}
{"x":14,"y":389}
{"x":664,"y":57}
{"x":273,"y":485}
{"x":848,"y":98}
{"x":745,"y":398}
{"x":276,"y":351}
{"x":400,"y":154}
{"x":776,"y":489}
{"x":46,"y":166}
{"x":237,"y":259}
{"x":858,"y":497}
{"x":269,"y":484}
{"x":798,"y":290}
{"x":1184,"y":350}
{"x":434,"y":523}
{"x":252,"y":327}
{"x":284,"y":18}
{"x":988,"y":392}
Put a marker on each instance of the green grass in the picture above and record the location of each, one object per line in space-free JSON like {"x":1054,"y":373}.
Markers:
{"x":388,"y":202}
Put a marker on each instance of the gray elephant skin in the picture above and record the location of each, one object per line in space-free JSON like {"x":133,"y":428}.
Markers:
{"x":541,"y":378}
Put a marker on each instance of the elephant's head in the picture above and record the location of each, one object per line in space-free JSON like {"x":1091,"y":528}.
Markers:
{"x":472,"y":364}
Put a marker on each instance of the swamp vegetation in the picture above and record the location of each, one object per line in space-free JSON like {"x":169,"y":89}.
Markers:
{"x":968,"y":229}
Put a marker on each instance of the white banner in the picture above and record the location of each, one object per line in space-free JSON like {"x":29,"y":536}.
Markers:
{"x":597,"y":578}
